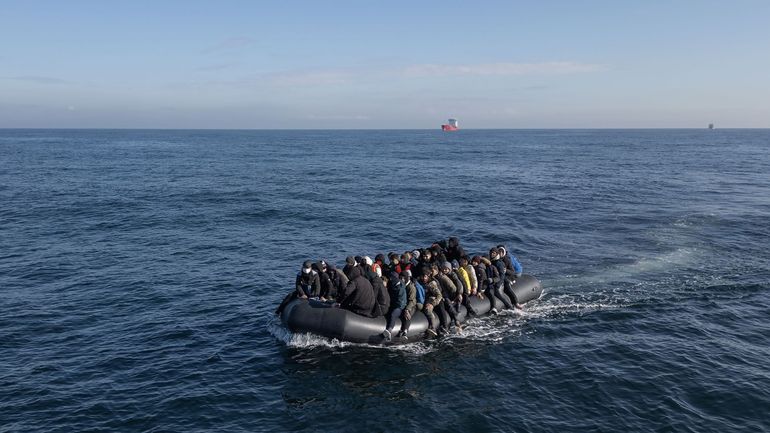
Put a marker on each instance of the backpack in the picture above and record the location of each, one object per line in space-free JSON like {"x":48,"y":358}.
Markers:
{"x":420,"y":292}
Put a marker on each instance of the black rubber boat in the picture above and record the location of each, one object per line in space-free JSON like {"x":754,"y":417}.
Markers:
{"x":316,"y":317}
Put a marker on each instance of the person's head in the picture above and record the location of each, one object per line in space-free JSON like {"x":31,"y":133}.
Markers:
{"x":367,"y":261}
{"x":416,"y":254}
{"x":353,"y":272}
{"x":464,"y":261}
{"x":502,"y":250}
{"x":393,"y":257}
{"x":426,"y":256}
{"x":405,"y":258}
{"x":406,"y":276}
{"x":320,"y":266}
{"x":446,"y":268}
{"x":425,"y":277}
{"x":455,"y":264}
{"x":359,"y":260}
{"x":434,"y":269}
{"x":380,"y":258}
{"x":453,"y":242}
{"x":307,"y":267}
{"x":476,"y":260}
{"x":350,"y":261}
{"x":494,"y":254}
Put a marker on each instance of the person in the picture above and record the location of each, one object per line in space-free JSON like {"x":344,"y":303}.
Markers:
{"x":495,"y":256}
{"x":406,"y":262}
{"x":415,"y":259}
{"x":488,"y":278}
{"x":397,"y":294}
{"x":359,"y":294}
{"x":327,"y":286}
{"x":454,"y":251}
{"x":415,"y":299}
{"x":461,"y":279}
{"x":339,"y":281}
{"x":470,"y":273}
{"x":395,"y":263}
{"x":382,"y":298}
{"x":511,"y":263}
{"x":433,"y":300}
{"x":379,"y":259}
{"x":350,"y":263}
{"x":306,"y":285}
{"x":451,"y":299}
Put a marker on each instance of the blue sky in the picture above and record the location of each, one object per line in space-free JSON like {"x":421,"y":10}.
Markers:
{"x":367,"y":64}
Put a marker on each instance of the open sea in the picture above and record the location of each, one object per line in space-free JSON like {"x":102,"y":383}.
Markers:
{"x":139,"y":270}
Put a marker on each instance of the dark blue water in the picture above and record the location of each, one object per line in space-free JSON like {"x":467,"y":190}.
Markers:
{"x":139,"y":270}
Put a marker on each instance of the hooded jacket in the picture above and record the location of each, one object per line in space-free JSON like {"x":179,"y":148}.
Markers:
{"x":454,"y":251}
{"x":511,"y":263}
{"x":396,"y":292}
{"x":382,"y":298}
{"x":359,"y":297}
{"x":471,"y":273}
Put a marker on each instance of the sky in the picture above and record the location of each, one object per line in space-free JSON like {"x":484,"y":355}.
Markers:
{"x":376,"y":64}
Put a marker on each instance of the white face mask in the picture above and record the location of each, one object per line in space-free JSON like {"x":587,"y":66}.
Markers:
{"x":305,"y":270}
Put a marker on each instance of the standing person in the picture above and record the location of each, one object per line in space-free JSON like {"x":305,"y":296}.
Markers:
{"x":397,"y":293}
{"x":433,"y":300}
{"x":415,"y":298}
{"x":454,"y":251}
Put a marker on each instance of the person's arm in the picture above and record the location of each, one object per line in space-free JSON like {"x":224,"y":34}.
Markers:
{"x":411,"y":296}
{"x":298,"y":288}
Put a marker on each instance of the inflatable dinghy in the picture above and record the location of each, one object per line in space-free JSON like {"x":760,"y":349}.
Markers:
{"x":319,"y":318}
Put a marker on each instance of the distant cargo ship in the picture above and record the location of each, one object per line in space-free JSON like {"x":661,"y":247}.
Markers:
{"x":711,"y":126}
{"x":451,"y":125}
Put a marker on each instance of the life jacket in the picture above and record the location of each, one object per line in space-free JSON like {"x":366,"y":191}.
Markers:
{"x":420,"y":292}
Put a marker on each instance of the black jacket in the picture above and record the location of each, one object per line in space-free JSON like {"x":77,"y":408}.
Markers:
{"x":308,"y":284}
{"x":359,"y":296}
{"x":481,"y":276}
{"x":382,"y":302}
{"x":454,"y":250}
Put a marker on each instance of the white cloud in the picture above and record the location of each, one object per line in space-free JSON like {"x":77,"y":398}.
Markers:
{"x":500,"y":69}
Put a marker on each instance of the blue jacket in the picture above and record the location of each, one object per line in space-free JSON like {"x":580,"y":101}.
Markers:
{"x":397,"y":293}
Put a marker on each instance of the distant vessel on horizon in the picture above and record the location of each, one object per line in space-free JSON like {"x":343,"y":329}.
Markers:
{"x":451,"y":125}
{"x":711,"y":126}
